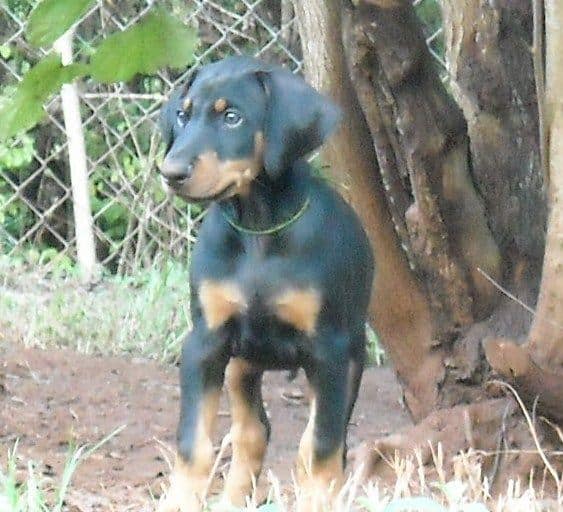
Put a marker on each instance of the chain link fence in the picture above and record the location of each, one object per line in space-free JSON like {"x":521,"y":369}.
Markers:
{"x":134,"y":222}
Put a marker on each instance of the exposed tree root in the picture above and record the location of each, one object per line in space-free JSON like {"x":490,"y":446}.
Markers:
{"x":493,"y":430}
{"x":513,"y":362}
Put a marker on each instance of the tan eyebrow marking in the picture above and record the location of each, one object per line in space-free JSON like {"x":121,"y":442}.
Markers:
{"x":187,"y":104}
{"x":220,"y":105}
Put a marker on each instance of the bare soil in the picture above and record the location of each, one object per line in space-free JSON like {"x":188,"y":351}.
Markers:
{"x":50,"y":399}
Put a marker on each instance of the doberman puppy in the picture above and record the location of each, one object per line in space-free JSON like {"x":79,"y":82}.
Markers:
{"x":280,"y":275}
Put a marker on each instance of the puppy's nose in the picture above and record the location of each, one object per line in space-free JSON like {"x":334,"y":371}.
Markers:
{"x":175,"y":170}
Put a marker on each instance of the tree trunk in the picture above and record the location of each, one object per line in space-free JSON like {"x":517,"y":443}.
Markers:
{"x":400,"y":308}
{"x":401,"y":115}
{"x":459,"y":189}
{"x":491,"y":69}
{"x":546,"y":335}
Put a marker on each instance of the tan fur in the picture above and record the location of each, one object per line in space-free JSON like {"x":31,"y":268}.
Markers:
{"x":305,"y":454}
{"x":189,"y":479}
{"x":186,"y":105}
{"x":319,"y":481}
{"x":212,"y":177}
{"x":220,"y":301}
{"x":299,"y":308}
{"x":220,"y":105}
{"x":248,"y":436}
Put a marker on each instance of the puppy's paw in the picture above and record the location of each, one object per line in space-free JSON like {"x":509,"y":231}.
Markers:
{"x":185,"y":494}
{"x":314,"y":499}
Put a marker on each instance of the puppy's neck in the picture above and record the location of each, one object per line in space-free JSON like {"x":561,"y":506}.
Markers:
{"x":268,"y":202}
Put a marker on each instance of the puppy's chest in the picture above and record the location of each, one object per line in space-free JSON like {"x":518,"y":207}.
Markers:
{"x":262,"y":290}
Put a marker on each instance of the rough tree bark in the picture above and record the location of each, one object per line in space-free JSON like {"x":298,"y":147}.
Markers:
{"x":546,"y":335}
{"x":452,"y":198}
{"x":403,"y":118}
{"x":488,"y":50}
{"x":404,"y":315}
{"x":493,"y":44}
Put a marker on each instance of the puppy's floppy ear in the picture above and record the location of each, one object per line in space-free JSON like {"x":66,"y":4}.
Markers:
{"x":298,"y":119}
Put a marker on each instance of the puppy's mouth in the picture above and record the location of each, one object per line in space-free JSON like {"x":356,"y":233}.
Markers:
{"x":213,"y":179}
{"x":182,"y":189}
{"x":212,"y":196}
{"x":173,"y":183}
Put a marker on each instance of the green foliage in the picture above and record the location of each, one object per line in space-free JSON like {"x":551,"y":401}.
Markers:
{"x":269,"y":507}
{"x":15,"y":215}
{"x":158,"y":40}
{"x":419,"y":503}
{"x":17,"y":155}
{"x":24,"y":108}
{"x":5,"y":51}
{"x":52,"y":18}
{"x":31,"y":495}
{"x":20,"y":8}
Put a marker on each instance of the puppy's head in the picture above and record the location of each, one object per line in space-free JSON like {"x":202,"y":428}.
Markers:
{"x":235,"y":119}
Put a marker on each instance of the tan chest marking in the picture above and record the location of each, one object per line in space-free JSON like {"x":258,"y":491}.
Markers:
{"x":220,"y":301}
{"x":299,"y":308}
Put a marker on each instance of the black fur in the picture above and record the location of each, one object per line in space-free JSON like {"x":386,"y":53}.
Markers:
{"x":324,"y":249}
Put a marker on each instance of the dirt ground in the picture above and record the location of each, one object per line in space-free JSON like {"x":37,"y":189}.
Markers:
{"x":51,"y":398}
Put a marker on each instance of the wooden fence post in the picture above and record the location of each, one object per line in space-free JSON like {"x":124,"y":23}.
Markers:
{"x":83,"y":222}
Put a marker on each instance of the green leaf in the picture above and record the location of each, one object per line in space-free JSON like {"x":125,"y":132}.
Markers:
{"x":158,"y":40}
{"x":24,"y":109}
{"x":5,"y":51}
{"x":52,"y":18}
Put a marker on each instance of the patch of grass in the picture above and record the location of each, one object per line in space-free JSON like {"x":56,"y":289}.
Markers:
{"x":143,"y":315}
{"x":146,"y":315}
{"x":35,"y":494}
{"x":466,"y":490}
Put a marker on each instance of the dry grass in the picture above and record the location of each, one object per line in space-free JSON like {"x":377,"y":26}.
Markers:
{"x":35,"y":493}
{"x":146,"y":315}
{"x":467,"y":490}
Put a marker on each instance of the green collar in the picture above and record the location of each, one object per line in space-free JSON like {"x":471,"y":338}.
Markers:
{"x":274,"y":229}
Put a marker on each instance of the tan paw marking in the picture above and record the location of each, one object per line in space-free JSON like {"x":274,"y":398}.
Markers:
{"x":248,"y":435}
{"x":319,"y":481}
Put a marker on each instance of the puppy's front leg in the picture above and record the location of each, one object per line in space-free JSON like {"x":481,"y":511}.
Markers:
{"x":320,"y":467}
{"x":201,"y":377}
{"x":250,"y":430}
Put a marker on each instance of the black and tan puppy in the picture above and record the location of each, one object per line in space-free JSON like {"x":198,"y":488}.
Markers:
{"x":280,"y":276}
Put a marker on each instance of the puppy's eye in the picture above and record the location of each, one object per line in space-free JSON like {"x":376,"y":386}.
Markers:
{"x":232,"y":118}
{"x":182,"y":117}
